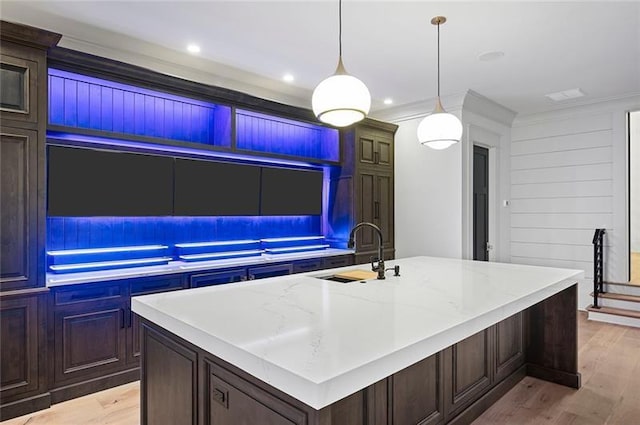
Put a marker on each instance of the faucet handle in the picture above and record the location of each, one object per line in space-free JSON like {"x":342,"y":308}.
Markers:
{"x":374,"y":267}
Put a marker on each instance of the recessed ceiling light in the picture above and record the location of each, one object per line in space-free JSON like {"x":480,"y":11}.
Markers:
{"x":490,"y":56}
{"x":565,"y":95}
{"x":388,"y":101}
{"x":193,"y":48}
{"x":288,"y":77}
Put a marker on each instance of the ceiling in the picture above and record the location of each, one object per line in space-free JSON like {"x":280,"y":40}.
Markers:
{"x":390,"y":45}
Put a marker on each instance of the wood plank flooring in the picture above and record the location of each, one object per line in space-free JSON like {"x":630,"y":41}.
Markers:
{"x":609,"y":360}
{"x":635,"y":268}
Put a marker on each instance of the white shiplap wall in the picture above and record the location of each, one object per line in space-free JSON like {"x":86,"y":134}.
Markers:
{"x":562,"y":188}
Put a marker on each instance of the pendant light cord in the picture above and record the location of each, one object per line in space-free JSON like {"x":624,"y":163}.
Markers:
{"x":340,"y":28}
{"x":438,"y":59}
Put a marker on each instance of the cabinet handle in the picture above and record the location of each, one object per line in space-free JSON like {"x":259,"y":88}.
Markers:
{"x":122,"y":322}
{"x":129,"y":319}
{"x":376,"y":210}
{"x":376,"y":158}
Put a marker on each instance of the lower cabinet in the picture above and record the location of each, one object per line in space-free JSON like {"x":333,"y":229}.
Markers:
{"x":218,"y":277}
{"x":437,"y":390}
{"x":262,"y":272}
{"x":22,"y":353}
{"x":417,"y":393}
{"x":88,"y":332}
{"x":96,"y":338}
{"x":468,"y":370}
{"x":230,"y":399}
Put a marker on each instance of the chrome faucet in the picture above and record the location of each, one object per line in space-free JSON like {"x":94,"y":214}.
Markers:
{"x":380,"y":267}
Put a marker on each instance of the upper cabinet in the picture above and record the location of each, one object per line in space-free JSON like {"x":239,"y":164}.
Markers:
{"x":374,"y":148}
{"x":23,"y":113}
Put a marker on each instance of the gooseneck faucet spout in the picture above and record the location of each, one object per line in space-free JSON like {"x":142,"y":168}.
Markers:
{"x":380,"y":267}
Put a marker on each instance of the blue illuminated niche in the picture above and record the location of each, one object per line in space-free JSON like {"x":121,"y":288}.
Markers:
{"x":80,"y":101}
{"x":99,"y":232}
{"x":259,"y":132}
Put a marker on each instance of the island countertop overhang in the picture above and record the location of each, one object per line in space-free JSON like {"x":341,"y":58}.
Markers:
{"x":320,"y":341}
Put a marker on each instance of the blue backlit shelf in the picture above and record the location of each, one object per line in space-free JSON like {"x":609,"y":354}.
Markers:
{"x":108,"y":265}
{"x":106,"y":258}
{"x":295,"y":249}
{"x":221,"y":255}
{"x":264,"y":133}
{"x":269,"y":243}
{"x":80,"y":101}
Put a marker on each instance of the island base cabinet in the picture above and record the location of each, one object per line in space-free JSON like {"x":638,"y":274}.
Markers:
{"x":182,"y":383}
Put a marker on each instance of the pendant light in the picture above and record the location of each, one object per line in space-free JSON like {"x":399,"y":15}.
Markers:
{"x":440,"y":129}
{"x":341,"y":99}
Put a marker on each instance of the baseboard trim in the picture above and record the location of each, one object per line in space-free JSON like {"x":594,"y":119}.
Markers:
{"x":80,"y":389}
{"x":25,"y":406}
{"x":572,"y":380}
{"x":472,"y":412}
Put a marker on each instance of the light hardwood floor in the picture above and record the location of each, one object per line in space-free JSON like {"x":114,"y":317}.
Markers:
{"x":609,"y":359}
{"x":635,"y":268}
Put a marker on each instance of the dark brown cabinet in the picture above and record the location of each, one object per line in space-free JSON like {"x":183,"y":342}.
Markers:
{"x":22,"y":353}
{"x":509,"y":346}
{"x":417,"y":393}
{"x":19,"y":199}
{"x":132,"y":321}
{"x":468,"y":368}
{"x":23,"y":315}
{"x":366,"y":184}
{"x":88,"y":332}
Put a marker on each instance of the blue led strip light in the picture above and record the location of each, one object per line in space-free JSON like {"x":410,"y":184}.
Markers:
{"x":296,"y":249}
{"x":217,"y":243}
{"x":221,"y":255}
{"x":108,"y":264}
{"x":107,"y":250}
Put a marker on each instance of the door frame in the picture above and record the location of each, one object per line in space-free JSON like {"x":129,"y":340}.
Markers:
{"x":480,"y":136}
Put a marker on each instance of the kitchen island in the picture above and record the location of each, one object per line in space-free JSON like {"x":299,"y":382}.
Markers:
{"x":437,"y":344}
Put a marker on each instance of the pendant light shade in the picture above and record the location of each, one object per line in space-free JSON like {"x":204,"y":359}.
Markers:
{"x":341,"y":99}
{"x":440,"y":129}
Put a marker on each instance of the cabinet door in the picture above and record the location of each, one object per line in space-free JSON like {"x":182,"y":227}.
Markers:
{"x":19,"y":199}
{"x":218,"y":278}
{"x":307,"y":265}
{"x":19,"y":350}
{"x":132,"y":321}
{"x":269,"y":271}
{"x":337,"y":261}
{"x":375,"y":148}
{"x":509,"y":346}
{"x":417,"y":393}
{"x":89,"y":341}
{"x":230,"y":400}
{"x":467,"y":371}
{"x":366,"y":239}
{"x":19,"y":82}
{"x":383,"y":208}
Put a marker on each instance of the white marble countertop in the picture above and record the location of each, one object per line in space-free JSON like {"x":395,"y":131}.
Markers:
{"x":320,"y":341}
{"x":54,"y":279}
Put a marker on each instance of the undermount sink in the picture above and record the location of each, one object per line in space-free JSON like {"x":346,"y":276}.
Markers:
{"x":340,"y":279}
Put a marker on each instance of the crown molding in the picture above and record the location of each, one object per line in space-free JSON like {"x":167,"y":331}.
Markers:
{"x":485,"y":107}
{"x":452,"y":103}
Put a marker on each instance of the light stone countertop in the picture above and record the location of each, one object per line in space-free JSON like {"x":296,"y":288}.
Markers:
{"x":320,"y":341}
{"x":60,"y":279}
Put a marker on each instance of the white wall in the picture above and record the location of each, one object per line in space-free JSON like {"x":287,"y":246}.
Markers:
{"x":635,"y":181}
{"x":568,"y":177}
{"x":428,"y":203}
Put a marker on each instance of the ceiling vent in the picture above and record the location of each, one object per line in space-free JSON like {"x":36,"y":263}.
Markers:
{"x":561,"y":96}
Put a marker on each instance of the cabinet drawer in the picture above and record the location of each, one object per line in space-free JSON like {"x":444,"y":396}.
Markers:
{"x":269,"y":271}
{"x":218,"y":278}
{"x":307,"y":265}
{"x":151,"y":286}
{"x":334,"y":262}
{"x":88,"y":292}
